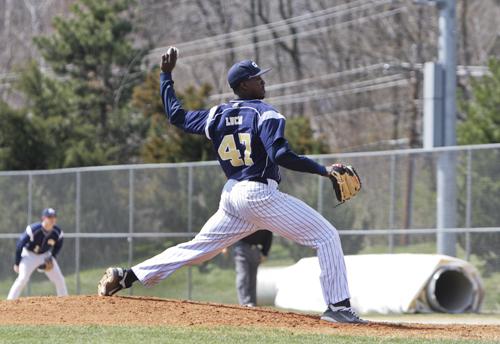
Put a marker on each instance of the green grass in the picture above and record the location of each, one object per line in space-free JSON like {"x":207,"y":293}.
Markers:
{"x":437,"y":318}
{"x":187,"y":335}
{"x":492,"y":297}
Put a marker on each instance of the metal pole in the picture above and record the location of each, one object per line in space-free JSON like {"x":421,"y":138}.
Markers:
{"x":190,"y":199}
{"x":433,"y":105}
{"x":30,"y":211}
{"x":408,"y":214}
{"x":77,"y":231}
{"x":468,"y":209}
{"x":446,"y":203}
{"x":190,"y":227}
{"x":446,"y":176}
{"x":320,"y":189}
{"x":30,"y":197}
{"x":130,"y":239}
{"x":392,"y":203}
{"x":447,"y":56}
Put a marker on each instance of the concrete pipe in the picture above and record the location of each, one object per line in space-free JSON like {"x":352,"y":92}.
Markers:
{"x":380,"y":283}
{"x":451,"y":290}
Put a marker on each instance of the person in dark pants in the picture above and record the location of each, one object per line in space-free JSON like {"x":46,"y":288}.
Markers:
{"x":249,"y":252}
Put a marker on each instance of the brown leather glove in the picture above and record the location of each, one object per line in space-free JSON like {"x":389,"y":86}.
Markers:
{"x":46,"y":266}
{"x":345,"y":180}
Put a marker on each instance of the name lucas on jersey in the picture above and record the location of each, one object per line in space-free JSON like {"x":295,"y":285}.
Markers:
{"x":234,"y":120}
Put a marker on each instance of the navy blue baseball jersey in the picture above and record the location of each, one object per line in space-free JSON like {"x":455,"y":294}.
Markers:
{"x":36,"y":239}
{"x":244,"y":134}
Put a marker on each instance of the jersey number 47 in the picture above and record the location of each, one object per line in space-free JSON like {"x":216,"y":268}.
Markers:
{"x":228,"y":150}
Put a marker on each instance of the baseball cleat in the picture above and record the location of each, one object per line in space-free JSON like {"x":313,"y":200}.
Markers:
{"x":112,"y":282}
{"x":342,"y":315}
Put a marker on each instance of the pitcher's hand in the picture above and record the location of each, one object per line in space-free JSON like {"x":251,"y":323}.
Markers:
{"x":169,"y":59}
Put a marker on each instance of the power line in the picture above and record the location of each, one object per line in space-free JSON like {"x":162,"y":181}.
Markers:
{"x":337,"y":92}
{"x":299,"y":35}
{"x":461,"y":71}
{"x":265,"y":28}
{"x":301,"y":82}
{"x":476,"y":71}
{"x":352,"y":88}
{"x":384,"y":107}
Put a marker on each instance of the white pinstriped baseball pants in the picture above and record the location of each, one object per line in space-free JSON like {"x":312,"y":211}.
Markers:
{"x":244,"y":208}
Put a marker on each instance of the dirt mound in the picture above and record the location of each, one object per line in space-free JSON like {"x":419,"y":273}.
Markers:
{"x":122,"y":310}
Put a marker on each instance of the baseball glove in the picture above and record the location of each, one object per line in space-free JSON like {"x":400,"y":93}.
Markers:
{"x":345,"y":180}
{"x":47,"y":266}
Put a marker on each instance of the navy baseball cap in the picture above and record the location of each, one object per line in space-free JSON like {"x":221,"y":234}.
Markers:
{"x":48,"y":212}
{"x":244,"y":70}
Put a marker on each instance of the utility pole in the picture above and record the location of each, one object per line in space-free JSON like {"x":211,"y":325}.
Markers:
{"x":447,"y":199}
{"x":440,"y":125}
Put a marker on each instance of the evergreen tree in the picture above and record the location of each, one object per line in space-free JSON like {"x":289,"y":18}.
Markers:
{"x":22,"y":140}
{"x":301,"y":137}
{"x":165,"y":142}
{"x":92,"y":55}
{"x":481,"y":126}
{"x":50,"y":103}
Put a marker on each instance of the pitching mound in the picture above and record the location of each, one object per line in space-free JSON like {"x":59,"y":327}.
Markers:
{"x":122,"y":310}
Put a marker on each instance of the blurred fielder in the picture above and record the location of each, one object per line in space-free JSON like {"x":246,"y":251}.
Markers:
{"x":248,"y":136}
{"x":38,"y":247}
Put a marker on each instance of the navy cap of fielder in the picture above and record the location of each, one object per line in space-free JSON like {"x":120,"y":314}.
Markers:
{"x":244,"y":70}
{"x":48,"y":212}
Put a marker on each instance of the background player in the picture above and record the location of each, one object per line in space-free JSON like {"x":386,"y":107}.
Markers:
{"x":248,"y":136}
{"x":39,"y":245}
{"x":248,"y":253}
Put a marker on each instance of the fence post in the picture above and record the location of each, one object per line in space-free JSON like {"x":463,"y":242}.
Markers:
{"x":77,"y":231}
{"x":392,"y":193}
{"x":320,"y":189}
{"x":468,"y":210}
{"x":30,"y":211}
{"x":190,"y":226}
{"x":130,"y":239}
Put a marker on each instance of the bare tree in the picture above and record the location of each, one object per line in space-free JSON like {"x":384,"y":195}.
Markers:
{"x":322,"y":52}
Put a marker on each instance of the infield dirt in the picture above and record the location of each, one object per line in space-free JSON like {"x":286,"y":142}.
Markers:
{"x":146,"y":311}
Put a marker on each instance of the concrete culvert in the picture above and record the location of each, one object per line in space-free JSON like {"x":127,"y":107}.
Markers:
{"x":379,"y":283}
{"x":450,"y":290}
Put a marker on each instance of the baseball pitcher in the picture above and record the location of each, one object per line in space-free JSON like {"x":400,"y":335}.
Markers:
{"x":248,"y":137}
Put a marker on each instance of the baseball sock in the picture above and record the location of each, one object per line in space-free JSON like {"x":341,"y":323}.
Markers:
{"x":344,"y":303}
{"x":130,"y":278}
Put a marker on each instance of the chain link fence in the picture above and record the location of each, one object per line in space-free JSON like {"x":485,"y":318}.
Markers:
{"x":120,"y":215}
